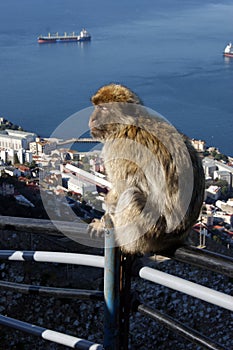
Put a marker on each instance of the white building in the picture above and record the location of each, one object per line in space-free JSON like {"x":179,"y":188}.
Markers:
{"x":42,"y":146}
{"x":214,"y":169}
{"x":3,"y":155}
{"x":227,"y":207}
{"x":199,"y":145}
{"x":20,"y":155}
{"x":213,"y":192}
{"x":75,"y":185}
{"x":223,"y":175}
{"x":78,"y":184}
{"x":224,"y":167}
{"x":16,"y":139}
{"x":12,"y":171}
{"x":28,"y":156}
{"x":23,"y":155}
{"x":11,"y":155}
{"x":209,"y":167}
{"x":9,"y":142}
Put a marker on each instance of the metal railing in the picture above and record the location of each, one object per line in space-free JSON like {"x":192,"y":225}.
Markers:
{"x":117,"y":293}
{"x":47,"y":334}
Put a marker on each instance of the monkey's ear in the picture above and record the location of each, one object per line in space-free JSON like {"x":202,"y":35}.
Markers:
{"x":115,"y":93}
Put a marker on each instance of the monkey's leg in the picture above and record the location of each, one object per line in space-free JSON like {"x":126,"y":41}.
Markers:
{"x":135,"y":221}
{"x":128,"y":217}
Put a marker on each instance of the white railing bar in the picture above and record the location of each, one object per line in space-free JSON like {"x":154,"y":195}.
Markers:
{"x":69,"y":340}
{"x":187,"y":287}
{"x":93,"y":178}
{"x":53,"y":257}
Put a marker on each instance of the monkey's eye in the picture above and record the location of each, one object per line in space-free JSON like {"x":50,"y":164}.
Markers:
{"x":102,"y":108}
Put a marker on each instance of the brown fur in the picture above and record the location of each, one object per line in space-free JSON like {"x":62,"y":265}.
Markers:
{"x":114,"y":93}
{"x":150,"y":166}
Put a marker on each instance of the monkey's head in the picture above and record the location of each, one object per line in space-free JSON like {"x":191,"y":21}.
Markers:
{"x":115,"y":108}
{"x":114,"y":93}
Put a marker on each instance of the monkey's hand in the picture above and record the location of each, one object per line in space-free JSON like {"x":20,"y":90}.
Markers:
{"x":96,"y":229}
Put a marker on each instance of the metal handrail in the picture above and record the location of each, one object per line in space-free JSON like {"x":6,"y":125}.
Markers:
{"x":54,"y":257}
{"x":187,"y":287}
{"x":179,"y":328}
{"x":47,"y":334}
{"x":205,"y":259}
{"x":191,"y":255}
{"x":81,"y":294}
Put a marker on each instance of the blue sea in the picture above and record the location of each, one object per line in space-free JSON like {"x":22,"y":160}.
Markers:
{"x":168,"y":51}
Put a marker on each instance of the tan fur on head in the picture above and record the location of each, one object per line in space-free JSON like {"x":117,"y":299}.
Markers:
{"x":115,"y":93}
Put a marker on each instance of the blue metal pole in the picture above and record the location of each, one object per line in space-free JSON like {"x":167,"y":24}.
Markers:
{"x":111,"y":292}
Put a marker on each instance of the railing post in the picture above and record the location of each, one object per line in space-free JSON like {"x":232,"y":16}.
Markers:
{"x":111,"y":293}
{"x":126,"y":299}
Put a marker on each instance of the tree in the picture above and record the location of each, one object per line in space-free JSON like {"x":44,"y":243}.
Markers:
{"x":32,"y":164}
{"x":206,"y":153}
{"x":224,"y":186}
{"x":224,"y":190}
{"x":220,"y":156}
{"x":214,"y":153}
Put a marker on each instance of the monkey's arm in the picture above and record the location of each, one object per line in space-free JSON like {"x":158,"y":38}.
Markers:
{"x":97,"y":227}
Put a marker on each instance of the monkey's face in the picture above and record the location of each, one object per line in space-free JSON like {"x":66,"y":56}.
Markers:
{"x":109,"y":120}
{"x":115,"y":108}
{"x":98,"y":122}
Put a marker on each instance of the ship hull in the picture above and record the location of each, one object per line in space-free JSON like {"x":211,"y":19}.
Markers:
{"x":46,"y":41}
{"x":230,"y":54}
{"x":62,"y":39}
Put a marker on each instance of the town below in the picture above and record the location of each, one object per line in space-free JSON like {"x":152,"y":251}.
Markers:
{"x":43,"y":178}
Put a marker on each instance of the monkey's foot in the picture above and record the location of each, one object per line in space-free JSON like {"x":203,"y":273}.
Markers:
{"x":96,"y":229}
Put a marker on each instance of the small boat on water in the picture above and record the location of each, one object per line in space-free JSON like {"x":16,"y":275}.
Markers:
{"x":228,"y":51}
{"x":56,"y":38}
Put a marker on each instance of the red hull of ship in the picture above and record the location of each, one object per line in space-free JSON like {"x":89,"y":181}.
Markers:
{"x":44,"y":41}
{"x":228,"y":54}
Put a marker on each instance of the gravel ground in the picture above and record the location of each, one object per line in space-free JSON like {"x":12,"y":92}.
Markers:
{"x":85,"y":319}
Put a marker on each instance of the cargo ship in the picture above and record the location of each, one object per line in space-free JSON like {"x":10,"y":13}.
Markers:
{"x":228,"y":51}
{"x":56,"y":38}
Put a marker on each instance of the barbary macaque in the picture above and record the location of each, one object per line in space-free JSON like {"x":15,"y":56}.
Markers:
{"x":156,"y":175}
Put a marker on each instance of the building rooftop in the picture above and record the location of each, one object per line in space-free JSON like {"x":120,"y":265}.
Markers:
{"x":213,"y":189}
{"x":208,"y":162}
{"x":19,"y":133}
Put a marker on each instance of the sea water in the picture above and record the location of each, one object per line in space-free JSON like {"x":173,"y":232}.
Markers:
{"x":168,"y":51}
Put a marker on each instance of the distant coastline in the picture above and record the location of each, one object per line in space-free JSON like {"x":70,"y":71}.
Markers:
{"x":88,"y":147}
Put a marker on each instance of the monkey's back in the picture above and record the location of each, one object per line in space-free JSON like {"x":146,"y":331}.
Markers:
{"x":151,"y":157}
